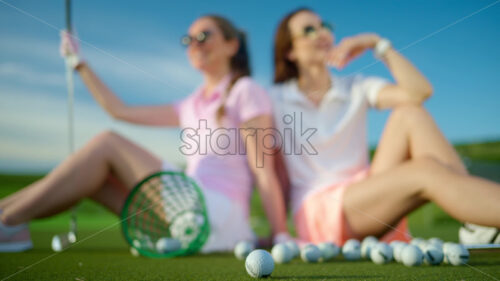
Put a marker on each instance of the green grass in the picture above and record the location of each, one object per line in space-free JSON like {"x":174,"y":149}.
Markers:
{"x":102,"y":253}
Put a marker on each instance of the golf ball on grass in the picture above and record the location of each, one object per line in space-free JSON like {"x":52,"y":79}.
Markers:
{"x":328,"y":251}
{"x":411,"y":255}
{"x":381,"y":253}
{"x":166,"y":245}
{"x":310,"y":253}
{"x":397,"y":249}
{"x":433,"y":255}
{"x":281,"y":253}
{"x":259,"y":263}
{"x":457,"y":254}
{"x":446,"y":246}
{"x":134,"y":252}
{"x":366,"y":246}
{"x":243,"y":249}
{"x":352,"y":250}
{"x":417,"y":240}
{"x":436,"y":242}
{"x":293,"y":247}
{"x":394,"y":243}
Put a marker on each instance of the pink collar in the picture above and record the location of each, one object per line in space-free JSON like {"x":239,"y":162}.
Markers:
{"x":201,"y":101}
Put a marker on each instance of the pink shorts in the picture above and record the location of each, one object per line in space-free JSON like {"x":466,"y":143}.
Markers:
{"x":321,"y":217}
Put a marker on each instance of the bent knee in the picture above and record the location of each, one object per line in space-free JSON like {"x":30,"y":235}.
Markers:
{"x":103,"y":141}
{"x":430,"y":169}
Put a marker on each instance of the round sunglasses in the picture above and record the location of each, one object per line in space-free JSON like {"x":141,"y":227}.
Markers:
{"x":312,"y":31}
{"x":201,"y":38}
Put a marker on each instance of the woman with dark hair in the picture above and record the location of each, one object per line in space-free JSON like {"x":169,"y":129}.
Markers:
{"x":335,"y":193}
{"x":110,"y":165}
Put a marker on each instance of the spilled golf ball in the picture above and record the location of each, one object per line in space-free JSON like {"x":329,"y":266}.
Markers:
{"x":411,"y":255}
{"x":167,"y":245}
{"x":397,"y":249}
{"x":259,"y":263}
{"x":281,"y":253}
{"x":381,"y":253}
{"x":366,"y":246}
{"x":433,"y":255}
{"x":328,"y":250}
{"x":457,"y":254}
{"x":293,"y":247}
{"x":352,"y":250}
{"x":243,"y":249}
{"x":310,"y":253}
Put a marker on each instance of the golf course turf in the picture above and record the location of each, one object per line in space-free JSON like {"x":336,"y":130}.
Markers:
{"x":102,"y":254}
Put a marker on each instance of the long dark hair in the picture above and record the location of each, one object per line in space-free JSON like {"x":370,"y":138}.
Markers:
{"x":284,"y":68}
{"x":240,"y":62}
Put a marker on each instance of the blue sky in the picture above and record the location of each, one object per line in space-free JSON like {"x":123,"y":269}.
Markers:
{"x":462,"y":63}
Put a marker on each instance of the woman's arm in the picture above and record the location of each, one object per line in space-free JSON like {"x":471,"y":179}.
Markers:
{"x":161,"y":115}
{"x":261,"y":163}
{"x":411,"y":86}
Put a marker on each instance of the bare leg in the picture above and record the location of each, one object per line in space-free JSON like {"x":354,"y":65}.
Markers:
{"x":376,"y":204}
{"x":410,"y":133}
{"x":112,"y":195}
{"x":16,"y":195}
{"x":82,"y":175}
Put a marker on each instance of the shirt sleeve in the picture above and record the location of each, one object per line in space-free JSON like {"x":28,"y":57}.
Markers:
{"x":371,"y":86}
{"x":252,"y":100}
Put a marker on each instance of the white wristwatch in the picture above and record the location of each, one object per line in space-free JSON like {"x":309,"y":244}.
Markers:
{"x":381,"y":48}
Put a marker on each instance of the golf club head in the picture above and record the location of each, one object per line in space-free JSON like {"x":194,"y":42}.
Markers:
{"x":62,"y":241}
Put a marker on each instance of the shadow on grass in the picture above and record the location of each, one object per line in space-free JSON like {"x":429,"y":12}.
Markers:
{"x":308,"y":277}
{"x":484,"y":263}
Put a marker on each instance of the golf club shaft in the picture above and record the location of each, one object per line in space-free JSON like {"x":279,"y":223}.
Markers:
{"x":70,"y":84}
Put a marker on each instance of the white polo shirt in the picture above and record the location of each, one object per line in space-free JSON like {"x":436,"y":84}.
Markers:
{"x":324,"y":144}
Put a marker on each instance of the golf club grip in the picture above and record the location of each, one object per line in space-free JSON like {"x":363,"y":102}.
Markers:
{"x":68,"y":16}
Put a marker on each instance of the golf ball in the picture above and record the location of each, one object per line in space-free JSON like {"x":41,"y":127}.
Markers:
{"x":146,"y":243}
{"x":394,"y":243}
{"x":328,"y":250}
{"x":281,"y":253}
{"x":457,"y":254}
{"x":366,"y":246}
{"x":433,"y":255}
{"x":411,"y":255}
{"x":351,"y":250}
{"x":166,"y":245}
{"x":310,"y":253}
{"x":446,"y":246}
{"x":294,"y":248}
{"x":417,"y":240}
{"x":243,"y":249}
{"x":436,"y":242}
{"x":397,"y":250}
{"x":136,"y":243}
{"x":186,"y":227}
{"x":134,"y":252}
{"x":259,"y":263}
{"x":381,"y":253}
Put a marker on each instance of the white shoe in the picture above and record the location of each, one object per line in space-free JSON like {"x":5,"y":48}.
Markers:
{"x":14,"y":238}
{"x":475,"y":234}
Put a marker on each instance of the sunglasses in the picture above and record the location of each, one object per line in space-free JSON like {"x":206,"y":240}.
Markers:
{"x":201,"y":38}
{"x":312,"y":31}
